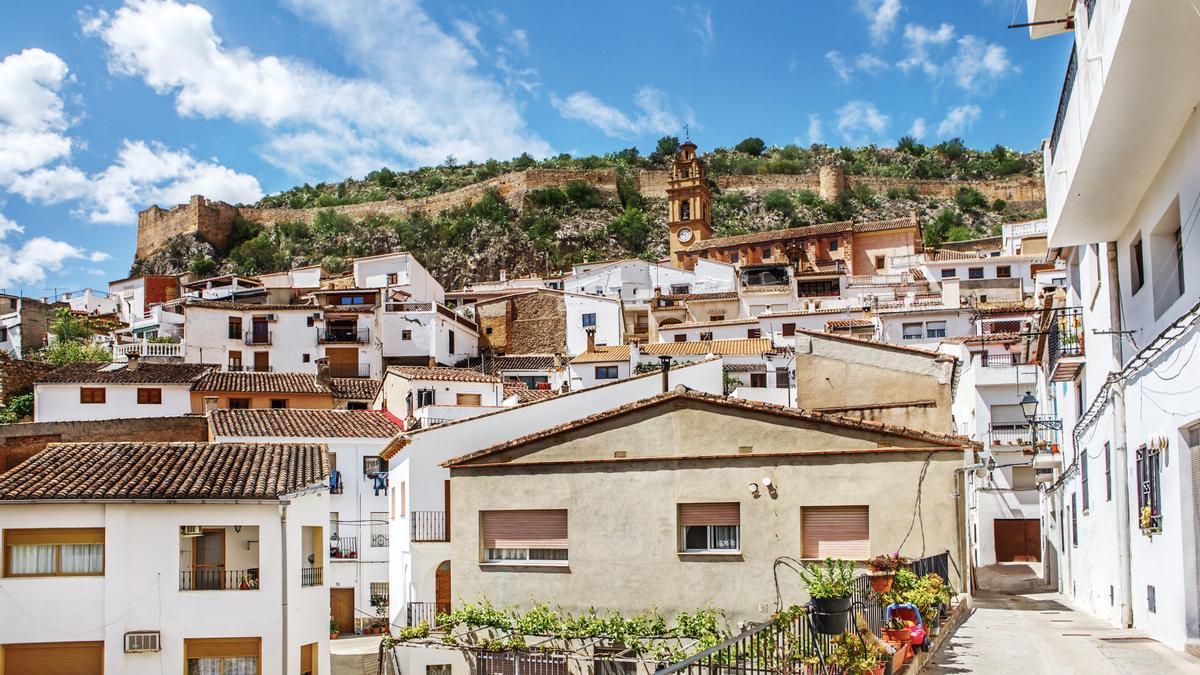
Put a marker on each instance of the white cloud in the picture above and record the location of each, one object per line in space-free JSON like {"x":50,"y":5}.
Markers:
{"x":919,"y":39}
{"x":701,"y":25}
{"x":881,"y":14}
{"x":840,"y":67}
{"x":9,"y":227}
{"x":978,"y":65}
{"x":469,"y":32}
{"x":958,"y":119}
{"x":918,"y":128}
{"x":31,"y":261}
{"x":33,"y":119}
{"x":655,"y":115}
{"x":860,"y":121}
{"x":815,"y":134}
{"x":870,"y":64}
{"x":421,"y":98}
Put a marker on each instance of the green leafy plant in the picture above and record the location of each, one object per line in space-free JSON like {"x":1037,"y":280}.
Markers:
{"x":833,"y":579}
{"x":751,"y":146}
{"x":62,"y":353}
{"x":851,"y":654}
{"x":887,"y":562}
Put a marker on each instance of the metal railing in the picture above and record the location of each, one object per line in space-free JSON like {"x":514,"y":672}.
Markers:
{"x":258,"y":338}
{"x":148,"y":349}
{"x":1064,"y":99}
{"x":1021,"y":434}
{"x":343,"y":548}
{"x":342,"y":336}
{"x":379,"y":539}
{"x":312,"y":576}
{"x":1064,"y":335}
{"x":349,"y":370}
{"x":998,"y":360}
{"x":428,"y":526}
{"x":219,"y":579}
{"x":424,"y":612}
{"x":518,"y":663}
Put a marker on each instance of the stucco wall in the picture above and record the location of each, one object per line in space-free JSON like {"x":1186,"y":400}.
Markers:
{"x":20,"y":441}
{"x":59,"y":402}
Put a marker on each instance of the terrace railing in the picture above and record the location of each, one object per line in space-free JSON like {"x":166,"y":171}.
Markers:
{"x":218,"y":580}
{"x":999,"y":360}
{"x":1064,"y":99}
{"x":423,"y":612}
{"x":429,"y":526}
{"x":312,"y":576}
{"x":343,"y":548}
{"x":343,"y":336}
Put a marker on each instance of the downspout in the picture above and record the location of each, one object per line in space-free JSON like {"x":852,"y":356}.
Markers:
{"x":1120,"y":440}
{"x":283,"y":545}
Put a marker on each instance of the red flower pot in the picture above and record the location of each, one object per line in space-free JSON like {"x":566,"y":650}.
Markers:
{"x":881,"y":582}
{"x":897,"y":635}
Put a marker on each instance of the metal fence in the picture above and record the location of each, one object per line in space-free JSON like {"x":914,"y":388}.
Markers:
{"x":422,"y":612}
{"x":218,"y":580}
{"x":518,"y":663}
{"x":343,"y":548}
{"x":312,"y":576}
{"x":429,"y":526}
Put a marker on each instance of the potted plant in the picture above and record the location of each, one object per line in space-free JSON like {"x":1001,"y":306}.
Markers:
{"x":333,"y":628}
{"x":896,"y":631}
{"x":850,"y":654}
{"x":883,"y":570}
{"x":830,"y":587}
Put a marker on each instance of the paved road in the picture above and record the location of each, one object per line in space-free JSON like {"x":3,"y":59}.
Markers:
{"x":1019,"y":627}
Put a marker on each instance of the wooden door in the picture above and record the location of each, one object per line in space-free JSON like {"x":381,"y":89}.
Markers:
{"x":468,"y":399}
{"x":61,"y":658}
{"x":308,"y":659}
{"x":1018,"y":540}
{"x":341,"y":608}
{"x":208,"y":560}
{"x":446,"y":506}
{"x":442,"y":588}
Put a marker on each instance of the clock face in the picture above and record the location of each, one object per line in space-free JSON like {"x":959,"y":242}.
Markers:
{"x":685,"y":234}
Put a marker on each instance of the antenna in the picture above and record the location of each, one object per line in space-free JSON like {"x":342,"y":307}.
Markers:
{"x":686,"y":134}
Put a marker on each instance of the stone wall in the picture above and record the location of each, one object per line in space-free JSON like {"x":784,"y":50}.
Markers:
{"x":212,"y":221}
{"x":539,"y":324}
{"x":17,"y":376}
{"x":21,"y":441}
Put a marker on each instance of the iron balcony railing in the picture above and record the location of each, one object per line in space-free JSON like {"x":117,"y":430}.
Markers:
{"x":219,"y":579}
{"x":524,"y":663}
{"x":424,"y":612}
{"x":258,"y":338}
{"x":1064,"y":99}
{"x":343,"y":548}
{"x":1064,"y":335}
{"x":349,"y":370}
{"x":429,"y":526}
{"x":249,"y":369}
{"x":1021,"y":434}
{"x":379,"y":539}
{"x":312,"y":576}
{"x":999,"y":360}
{"x":360,"y":336}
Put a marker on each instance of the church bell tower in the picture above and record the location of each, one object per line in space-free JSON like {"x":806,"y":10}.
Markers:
{"x":689,"y":213}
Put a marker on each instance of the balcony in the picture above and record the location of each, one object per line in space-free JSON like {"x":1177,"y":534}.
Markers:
{"x":343,"y":548}
{"x":239,"y":368}
{"x":258,"y":338}
{"x":312,"y":576}
{"x":349,"y":370}
{"x":1064,"y":343}
{"x":379,"y":539}
{"x":429,"y":526}
{"x":218,"y":579}
{"x":163,"y":350}
{"x":417,"y":613}
{"x":999,"y":360}
{"x":359,"y":336}
{"x":1020,"y":435}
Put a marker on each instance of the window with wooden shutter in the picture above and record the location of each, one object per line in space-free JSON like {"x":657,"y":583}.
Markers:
{"x":68,"y":551}
{"x":710,"y":527}
{"x":149,"y":395}
{"x":91,"y":394}
{"x":529,"y":536}
{"x":835,"y":532}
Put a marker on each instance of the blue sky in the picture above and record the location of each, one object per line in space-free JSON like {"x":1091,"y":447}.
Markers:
{"x":108,"y":107}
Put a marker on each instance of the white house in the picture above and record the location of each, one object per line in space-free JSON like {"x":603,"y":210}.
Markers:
{"x":357,"y":574}
{"x":165,"y":557}
{"x":638,"y":281}
{"x":107,"y":391}
{"x":399,"y":272}
{"x":590,"y":311}
{"x":90,"y":301}
{"x":419,"y":484}
{"x":424,"y":396}
{"x":260,"y":338}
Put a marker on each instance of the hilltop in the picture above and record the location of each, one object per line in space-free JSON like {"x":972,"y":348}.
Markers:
{"x":468,"y":221}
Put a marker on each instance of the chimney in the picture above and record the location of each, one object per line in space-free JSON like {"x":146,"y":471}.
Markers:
{"x":635,"y":356}
{"x":664,"y":364}
{"x":133,"y":360}
{"x":503,"y":274}
{"x":323,"y":377}
{"x":591,"y":337}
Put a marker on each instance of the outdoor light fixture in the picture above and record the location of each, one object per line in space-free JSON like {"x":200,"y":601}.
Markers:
{"x":237,"y":529}
{"x":766,"y":481}
{"x":1029,"y":405}
{"x":991,"y":466}
{"x":754,"y":489}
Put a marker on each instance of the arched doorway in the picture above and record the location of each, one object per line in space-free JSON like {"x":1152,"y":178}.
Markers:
{"x":441,"y":585}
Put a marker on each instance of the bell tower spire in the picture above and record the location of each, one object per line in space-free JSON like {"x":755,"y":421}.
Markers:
{"x":689,"y":212}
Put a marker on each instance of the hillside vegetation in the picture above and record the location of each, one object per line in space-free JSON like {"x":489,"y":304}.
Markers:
{"x":556,"y":227}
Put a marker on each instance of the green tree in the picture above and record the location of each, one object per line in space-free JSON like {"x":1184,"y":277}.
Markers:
{"x":780,"y":202}
{"x":632,"y":229}
{"x":909,"y":145}
{"x":937,"y":231}
{"x":69,"y":326}
{"x":970,"y":199}
{"x":665,"y":149}
{"x":73,"y":351}
{"x":751,"y":146}
{"x":202,"y":266}
{"x":953,"y":149}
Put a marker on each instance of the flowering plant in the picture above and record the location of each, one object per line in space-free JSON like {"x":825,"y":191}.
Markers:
{"x":888,"y":562}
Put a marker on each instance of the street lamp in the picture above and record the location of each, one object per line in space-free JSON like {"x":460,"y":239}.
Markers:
{"x":1029,"y":406}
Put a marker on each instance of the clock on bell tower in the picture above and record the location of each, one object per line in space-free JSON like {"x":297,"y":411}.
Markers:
{"x":689,"y":213}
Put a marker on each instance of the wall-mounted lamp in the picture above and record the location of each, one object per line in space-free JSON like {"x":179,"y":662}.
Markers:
{"x":754,"y":489}
{"x":237,"y":529}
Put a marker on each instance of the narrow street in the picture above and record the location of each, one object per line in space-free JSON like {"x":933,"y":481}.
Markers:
{"x":1020,"y":627}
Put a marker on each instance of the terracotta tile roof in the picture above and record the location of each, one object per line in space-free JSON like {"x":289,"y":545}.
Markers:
{"x":272,"y":383}
{"x":117,"y":373}
{"x":848,"y":323}
{"x":881,"y":225}
{"x":773,"y":235}
{"x":732,"y":347}
{"x":246,"y":306}
{"x":982,"y":339}
{"x":302,"y":423}
{"x":153,"y":471}
{"x":947,"y":255}
{"x":349,"y":309}
{"x":358,"y":388}
{"x":745,"y":367}
{"x":812,"y":312}
{"x":706,"y":324}
{"x":439,"y":374}
{"x":494,"y":364}
{"x":1014,"y":307}
{"x":681,"y":394}
{"x":604,"y":354}
{"x":524,"y":394}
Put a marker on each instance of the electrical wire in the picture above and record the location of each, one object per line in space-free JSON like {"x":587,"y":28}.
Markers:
{"x":917,"y":515}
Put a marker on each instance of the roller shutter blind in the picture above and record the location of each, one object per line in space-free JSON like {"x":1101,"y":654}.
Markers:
{"x":835,"y":531}
{"x":525,"y":529}
{"x":710,"y":514}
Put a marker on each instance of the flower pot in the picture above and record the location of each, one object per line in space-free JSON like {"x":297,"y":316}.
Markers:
{"x":831,"y":616}
{"x":897,"y":635}
{"x":332,"y":635}
{"x":881,"y":582}
{"x":877,"y":670}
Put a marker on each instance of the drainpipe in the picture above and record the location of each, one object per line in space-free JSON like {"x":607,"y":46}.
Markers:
{"x":1120,"y":441}
{"x":283,"y":546}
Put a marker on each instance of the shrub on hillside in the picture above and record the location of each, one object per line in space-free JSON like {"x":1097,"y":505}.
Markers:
{"x":751,"y":146}
{"x":970,"y":199}
{"x":780,"y":202}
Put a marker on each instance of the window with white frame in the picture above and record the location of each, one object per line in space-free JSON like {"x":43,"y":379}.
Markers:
{"x":913,"y":331}
{"x":710,"y":528}
{"x":935,"y":329}
{"x":529,"y":536}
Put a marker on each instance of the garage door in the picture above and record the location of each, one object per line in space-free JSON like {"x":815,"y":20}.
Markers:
{"x":1018,"y":540}
{"x":61,"y":658}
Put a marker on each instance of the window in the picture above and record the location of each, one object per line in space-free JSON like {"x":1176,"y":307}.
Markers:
{"x":733,"y":257}
{"x":1149,"y":487}
{"x":685,"y":210}
{"x":393,"y":278}
{"x":487,"y":331}
{"x":279,"y":403}
{"x":239,"y":403}
{"x":753,"y":333}
{"x":406,"y":334}
{"x":766,"y":252}
{"x":310,"y":322}
{"x":716,"y":317}
{"x":1137,"y":264}
{"x":789,"y":329}
{"x":835,"y":531}
{"x":706,"y":336}
{"x":235,"y":360}
{"x":379,"y":529}
{"x":880,"y":263}
{"x":1107,"y":473}
{"x":974,"y":272}
{"x":3,"y":334}
{"x":439,"y":669}
{"x":1004,"y":272}
{"x":935,"y":329}
{"x":149,"y":395}
{"x":235,"y":328}
{"x":589,"y":319}
{"x":913,"y":331}
{"x":606,"y":372}
{"x":91,"y":394}
{"x":373,"y":464}
{"x":402,"y":506}
{"x":680,"y":289}
{"x":758,"y":380}
{"x":425,"y":397}
{"x":524,"y":537}
{"x":356,"y":405}
{"x":1074,"y":522}
{"x":833,"y":244}
{"x":59,"y":552}
{"x":949,"y":272}
{"x":1083,"y":481}
{"x":380,"y":593}
{"x":783,"y":378}
{"x":820,"y":288}
{"x":223,"y":656}
{"x":450,"y":341}
{"x":305,"y":358}
{"x":681,"y":337}
{"x":705,"y":528}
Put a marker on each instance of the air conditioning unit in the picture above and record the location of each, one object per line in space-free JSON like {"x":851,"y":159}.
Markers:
{"x":190,"y":531}
{"x":270,"y":317}
{"x":143,"y":641}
